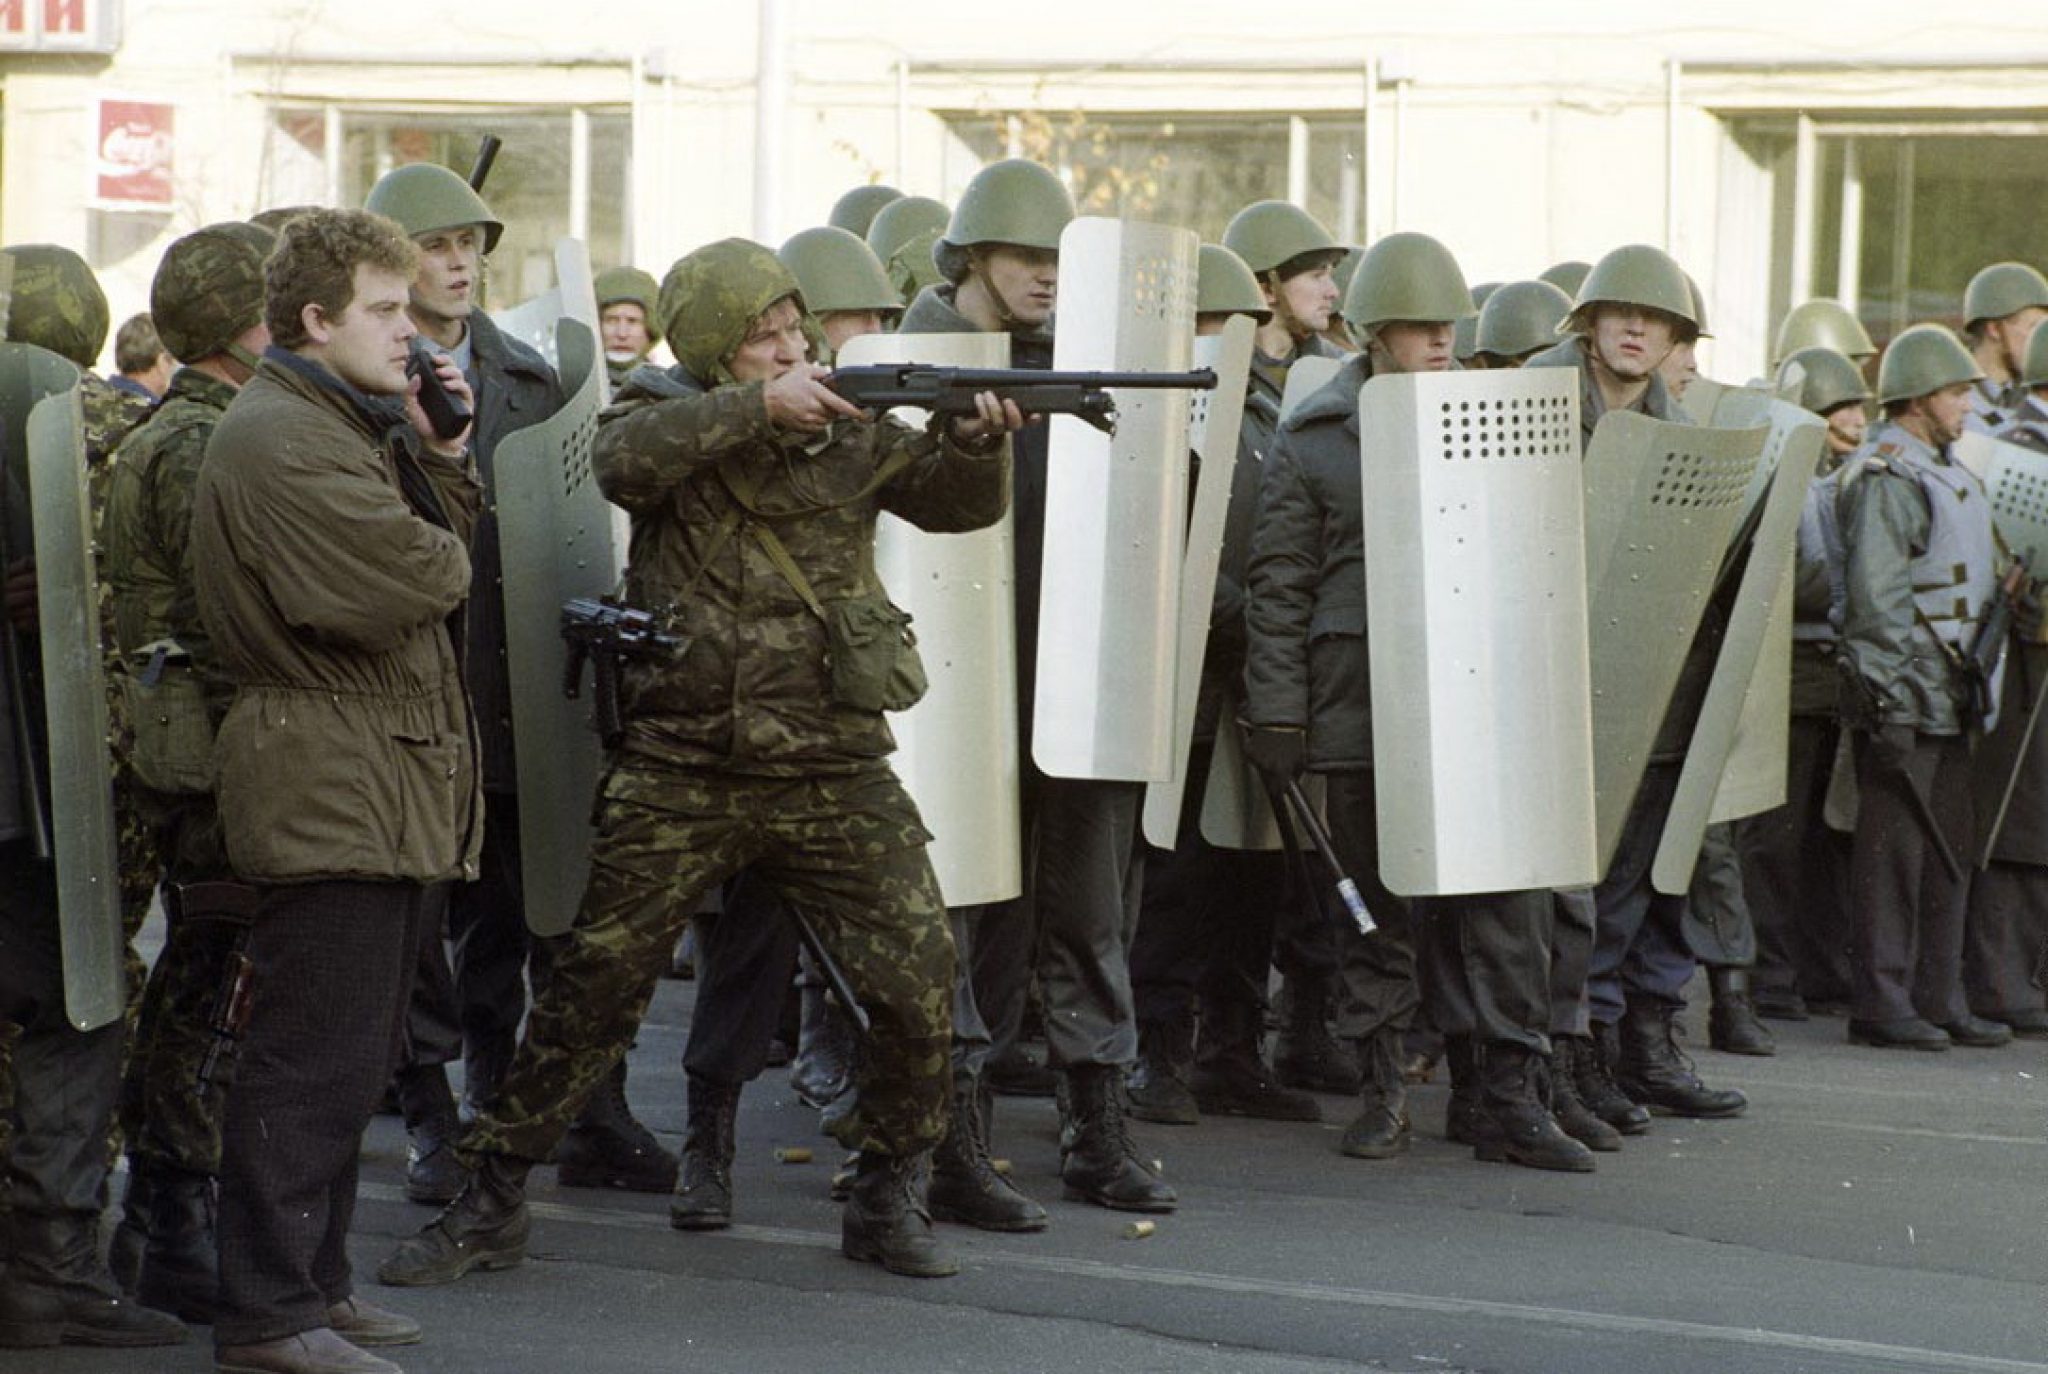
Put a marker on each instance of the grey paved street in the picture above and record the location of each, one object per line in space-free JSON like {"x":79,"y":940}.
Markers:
{"x":1874,"y":1212}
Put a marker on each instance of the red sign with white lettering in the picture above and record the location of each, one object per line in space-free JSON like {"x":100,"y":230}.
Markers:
{"x":133,"y":167}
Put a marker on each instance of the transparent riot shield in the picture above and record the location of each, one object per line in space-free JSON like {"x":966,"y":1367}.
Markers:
{"x":1476,"y":612}
{"x":957,"y":750}
{"x":1213,"y":425}
{"x":558,"y":539}
{"x":1116,"y":509}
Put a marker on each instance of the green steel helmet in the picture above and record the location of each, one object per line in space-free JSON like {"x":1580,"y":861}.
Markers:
{"x":1521,"y":318}
{"x":1699,"y":306}
{"x":2035,"y":373}
{"x":208,"y":290}
{"x":2003,"y":288}
{"x":1346,"y":269}
{"x":914,"y":266}
{"x":1272,"y":233}
{"x":1014,"y":201}
{"x":856,"y":210}
{"x":1465,"y":338}
{"x":1225,"y":286}
{"x":1638,"y":275}
{"x":622,"y":285}
{"x":278,"y":216}
{"x":1822,"y":323}
{"x":57,"y":303}
{"x":711,"y":298}
{"x":1922,"y":361}
{"x":1567,"y":276}
{"x":1407,"y":276}
{"x":838,"y":271}
{"x":1832,"y":380}
{"x":425,"y":197}
{"x":900,"y":221}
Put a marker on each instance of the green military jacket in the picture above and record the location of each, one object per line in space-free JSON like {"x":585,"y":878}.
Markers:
{"x":750,"y":690}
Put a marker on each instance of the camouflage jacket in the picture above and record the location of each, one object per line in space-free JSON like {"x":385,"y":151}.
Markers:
{"x":750,"y":690}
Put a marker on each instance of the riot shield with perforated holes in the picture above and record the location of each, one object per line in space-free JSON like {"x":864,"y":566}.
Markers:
{"x":557,"y":534}
{"x":956,"y":750}
{"x":1116,"y":509}
{"x":1792,"y":445}
{"x":1475,"y":580}
{"x":1661,"y":502}
{"x":1213,"y":434}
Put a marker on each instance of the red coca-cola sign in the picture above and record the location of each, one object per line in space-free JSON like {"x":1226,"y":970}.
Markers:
{"x":133,"y":156}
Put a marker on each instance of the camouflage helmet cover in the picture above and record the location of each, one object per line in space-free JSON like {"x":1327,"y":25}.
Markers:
{"x":425,"y":198}
{"x":1823,"y":323}
{"x":278,"y":216}
{"x":1224,"y":285}
{"x":57,"y":303}
{"x":838,"y":271}
{"x":620,"y":285}
{"x":208,"y":289}
{"x":1923,"y":360}
{"x":1831,"y":379}
{"x":915,"y":265}
{"x":711,"y":298}
{"x":856,"y":210}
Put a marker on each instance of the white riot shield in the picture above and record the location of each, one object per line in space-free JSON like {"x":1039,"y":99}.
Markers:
{"x":1305,"y":377}
{"x":532,"y":322}
{"x":556,"y":531}
{"x":1701,"y":398}
{"x":1753,"y":781}
{"x":572,"y":297}
{"x":956,"y":750}
{"x":1791,"y":449}
{"x":1116,"y":509}
{"x":1213,"y":425}
{"x":74,"y":693}
{"x":1662,"y":501}
{"x":1476,"y":611}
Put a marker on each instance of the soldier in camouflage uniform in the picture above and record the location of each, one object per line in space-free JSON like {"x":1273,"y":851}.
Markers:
{"x":760,"y":746}
{"x":626,"y":299}
{"x":208,"y":301}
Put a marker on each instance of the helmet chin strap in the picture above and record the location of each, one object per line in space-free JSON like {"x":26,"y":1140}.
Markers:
{"x":1006,"y":316}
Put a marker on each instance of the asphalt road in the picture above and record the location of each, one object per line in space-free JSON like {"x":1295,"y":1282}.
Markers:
{"x":1875,"y":1211}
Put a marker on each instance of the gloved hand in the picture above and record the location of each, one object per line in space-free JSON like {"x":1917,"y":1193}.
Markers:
{"x":1278,"y":752}
{"x":1891,"y":746}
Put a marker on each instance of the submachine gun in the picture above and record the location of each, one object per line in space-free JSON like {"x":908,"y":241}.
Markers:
{"x":950,"y":391}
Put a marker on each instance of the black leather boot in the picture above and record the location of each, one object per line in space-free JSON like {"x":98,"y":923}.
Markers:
{"x":1567,"y":1107}
{"x":703,"y":1198}
{"x":1654,"y":1072}
{"x":608,"y":1147}
{"x":1732,"y":1023}
{"x":131,"y":1233}
{"x":1231,"y":1077}
{"x":55,"y":1291}
{"x":432,"y":1174}
{"x":180,"y":1267}
{"x":826,"y":1050}
{"x":484,"y":1228}
{"x":1517,"y":1098}
{"x":1381,"y":1130}
{"x":1102,"y":1165}
{"x":1594,"y":1057}
{"x":885,"y":1221}
{"x":1466,"y":1120}
{"x":1305,"y":1054}
{"x":1158,"y":1083}
{"x":965,"y":1186}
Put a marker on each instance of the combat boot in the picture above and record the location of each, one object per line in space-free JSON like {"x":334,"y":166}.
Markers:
{"x":1567,"y":1107}
{"x":131,"y":1233}
{"x":181,"y":1267}
{"x":1732,"y":1024}
{"x":432,"y":1173}
{"x":965,"y":1186}
{"x":1653,"y":1071}
{"x":1466,"y":1120}
{"x":1017,"y":1074}
{"x":1231,"y":1077}
{"x":885,"y":1221}
{"x":703,"y":1198}
{"x":826,"y":1048}
{"x":1523,"y":1130}
{"x":484,"y":1228}
{"x":1157,"y":1084}
{"x":1306,"y":1055}
{"x":55,"y":1291}
{"x":1594,"y":1058}
{"x":1381,"y":1129}
{"x":322,"y":1350}
{"x":609,"y":1148}
{"x":1102,"y":1165}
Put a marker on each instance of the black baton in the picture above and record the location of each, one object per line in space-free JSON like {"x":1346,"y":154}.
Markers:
{"x":1305,"y":815}
{"x":835,"y":976}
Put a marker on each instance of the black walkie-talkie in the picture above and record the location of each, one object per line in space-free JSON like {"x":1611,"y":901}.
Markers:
{"x":446,"y":412}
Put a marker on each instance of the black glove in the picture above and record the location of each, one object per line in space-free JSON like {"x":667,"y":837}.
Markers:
{"x":1279,"y":752}
{"x":1891,"y":747}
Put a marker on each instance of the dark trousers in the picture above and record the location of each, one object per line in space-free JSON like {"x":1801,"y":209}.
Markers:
{"x":1908,"y":910}
{"x":746,"y":954}
{"x":1377,"y":971}
{"x":488,"y":938}
{"x":1485,"y":965}
{"x":1574,"y":917}
{"x":333,"y":965}
{"x":1795,"y":872}
{"x":2004,"y":938}
{"x":1718,"y":927}
{"x":66,"y":1081}
{"x":1639,"y":946}
{"x":1208,"y":918}
{"x":433,"y":1029}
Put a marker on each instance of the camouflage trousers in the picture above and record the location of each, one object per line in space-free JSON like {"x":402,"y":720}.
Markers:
{"x":845,"y":850}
